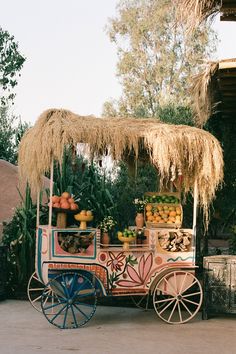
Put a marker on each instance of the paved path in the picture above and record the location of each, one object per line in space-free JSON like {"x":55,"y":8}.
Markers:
{"x":112,"y":330}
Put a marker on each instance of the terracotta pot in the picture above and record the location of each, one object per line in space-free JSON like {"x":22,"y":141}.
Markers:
{"x":105,"y":239}
{"x":139,"y":220}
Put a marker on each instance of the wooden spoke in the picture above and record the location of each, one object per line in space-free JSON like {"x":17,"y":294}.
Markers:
{"x":186,"y":308}
{"x":192,"y":294}
{"x":188,"y":287}
{"x":191,"y":302}
{"x":180,"y":314}
{"x":164,"y":300}
{"x":166,"y":307}
{"x":181,"y":288}
{"x":172,"y":311}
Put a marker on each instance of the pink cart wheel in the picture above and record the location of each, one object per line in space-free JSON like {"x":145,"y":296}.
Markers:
{"x":177,"y":297}
{"x":35,"y":290}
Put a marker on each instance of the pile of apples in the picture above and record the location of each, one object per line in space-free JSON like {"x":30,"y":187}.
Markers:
{"x":65,"y":201}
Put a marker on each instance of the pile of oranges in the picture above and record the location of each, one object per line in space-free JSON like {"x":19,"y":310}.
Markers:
{"x":65,"y":201}
{"x":162,"y":213}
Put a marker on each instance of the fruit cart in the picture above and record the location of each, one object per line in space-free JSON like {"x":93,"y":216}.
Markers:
{"x":163,"y":266}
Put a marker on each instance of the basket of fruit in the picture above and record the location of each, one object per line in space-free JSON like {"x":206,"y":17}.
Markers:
{"x":64,"y":202}
{"x":163,"y":210}
{"x":127,"y":236}
{"x":63,"y":205}
{"x":84,"y":216}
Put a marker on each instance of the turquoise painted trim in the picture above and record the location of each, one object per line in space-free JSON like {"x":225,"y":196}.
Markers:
{"x":179,"y":258}
{"x":76,"y":256}
{"x":39,"y":259}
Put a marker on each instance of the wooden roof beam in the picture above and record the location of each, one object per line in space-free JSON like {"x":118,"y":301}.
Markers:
{"x":231,"y":17}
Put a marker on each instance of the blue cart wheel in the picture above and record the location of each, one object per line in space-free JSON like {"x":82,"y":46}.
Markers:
{"x":72,"y":302}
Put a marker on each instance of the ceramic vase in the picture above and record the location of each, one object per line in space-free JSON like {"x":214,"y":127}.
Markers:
{"x":139,"y":220}
{"x":105,"y":239}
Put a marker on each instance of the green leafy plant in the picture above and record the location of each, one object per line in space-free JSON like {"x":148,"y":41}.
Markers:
{"x":19,"y":235}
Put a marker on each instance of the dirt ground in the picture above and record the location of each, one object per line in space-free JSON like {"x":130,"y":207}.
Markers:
{"x":112,"y":330}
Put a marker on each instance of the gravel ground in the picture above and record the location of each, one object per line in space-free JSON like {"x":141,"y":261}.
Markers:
{"x":112,"y":330}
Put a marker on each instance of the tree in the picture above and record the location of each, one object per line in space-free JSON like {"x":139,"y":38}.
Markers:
{"x":156,"y":57}
{"x":11,"y":62}
{"x":11,"y":132}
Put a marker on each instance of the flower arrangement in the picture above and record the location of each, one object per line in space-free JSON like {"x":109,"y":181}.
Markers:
{"x":139,"y":205}
{"x":107,"y":224}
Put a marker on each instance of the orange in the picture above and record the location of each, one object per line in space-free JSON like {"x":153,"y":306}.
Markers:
{"x":65,"y":205}
{"x":73,"y":206}
{"x":55,"y":199}
{"x":65,"y":195}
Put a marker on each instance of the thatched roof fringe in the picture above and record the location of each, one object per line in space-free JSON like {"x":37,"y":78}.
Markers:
{"x":202,"y":92}
{"x":194,"y":152}
{"x":194,"y":12}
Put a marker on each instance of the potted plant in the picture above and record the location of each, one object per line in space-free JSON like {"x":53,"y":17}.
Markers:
{"x":106,"y":225}
{"x":139,"y":207}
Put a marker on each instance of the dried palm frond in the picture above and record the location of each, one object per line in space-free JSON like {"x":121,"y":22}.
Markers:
{"x":202,"y":92}
{"x":194,"y":12}
{"x":171,"y":148}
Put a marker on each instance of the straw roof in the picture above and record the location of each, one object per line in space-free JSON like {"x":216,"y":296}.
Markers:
{"x":202,"y":92}
{"x":171,"y":148}
{"x":213,"y":90}
{"x":194,"y":12}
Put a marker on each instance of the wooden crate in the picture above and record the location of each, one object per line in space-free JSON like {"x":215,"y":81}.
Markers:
{"x":155,"y":224}
{"x":174,"y":194}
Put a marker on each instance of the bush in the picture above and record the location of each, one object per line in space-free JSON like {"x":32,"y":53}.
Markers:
{"x":19,"y":236}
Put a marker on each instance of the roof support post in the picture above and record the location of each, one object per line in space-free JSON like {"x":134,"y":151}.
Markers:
{"x":51,"y":191}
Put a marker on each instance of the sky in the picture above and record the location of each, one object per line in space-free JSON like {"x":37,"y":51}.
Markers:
{"x":70,"y":61}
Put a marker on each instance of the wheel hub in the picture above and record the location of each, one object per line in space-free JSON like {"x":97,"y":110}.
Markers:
{"x":70,"y":301}
{"x":179,"y":297}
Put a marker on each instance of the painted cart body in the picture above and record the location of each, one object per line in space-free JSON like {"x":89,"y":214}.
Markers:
{"x":117,"y":272}
{"x":75,"y":280}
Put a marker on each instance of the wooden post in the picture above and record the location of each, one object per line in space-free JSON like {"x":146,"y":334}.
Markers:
{"x":51,"y":190}
{"x":61,"y":220}
{"x":195,"y":204}
{"x":37,"y":219}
